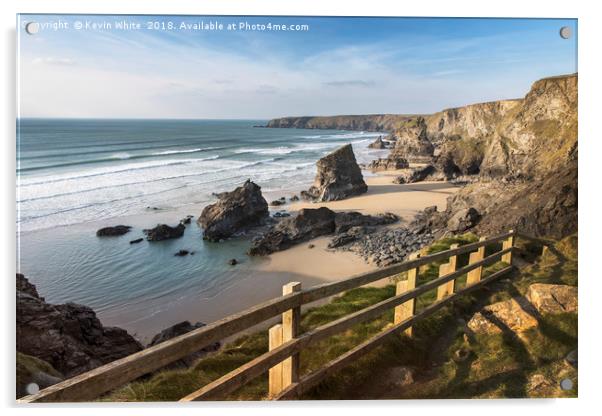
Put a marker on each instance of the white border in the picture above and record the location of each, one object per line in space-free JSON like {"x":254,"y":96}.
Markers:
{"x":589,"y":96}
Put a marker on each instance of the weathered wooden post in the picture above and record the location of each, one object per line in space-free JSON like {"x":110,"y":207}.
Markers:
{"x":275,"y":373}
{"x":291,"y":321}
{"x":407,"y":309}
{"x":474,"y":276}
{"x":508,"y":243}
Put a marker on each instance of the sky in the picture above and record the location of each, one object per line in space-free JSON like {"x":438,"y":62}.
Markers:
{"x":169,"y":69}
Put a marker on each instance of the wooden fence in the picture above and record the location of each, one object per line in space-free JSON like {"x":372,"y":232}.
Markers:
{"x":285,"y":339}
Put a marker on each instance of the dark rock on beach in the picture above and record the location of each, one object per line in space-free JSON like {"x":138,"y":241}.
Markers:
{"x":390,"y":163}
{"x":312,"y":223}
{"x":165,"y":232}
{"x":339,"y":177}
{"x":234,"y":211}
{"x":114,"y":231}
{"x":415,"y":175}
{"x":232,"y":262}
{"x":278,"y":202}
{"x":69,"y":337}
{"x":378,"y":144}
{"x":136,"y":241}
{"x":281,"y":214}
{"x":182,"y":253}
{"x":345,"y":220}
{"x":176,"y":330}
{"x":308,"y":224}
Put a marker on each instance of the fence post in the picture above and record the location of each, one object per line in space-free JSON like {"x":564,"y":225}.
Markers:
{"x":275,"y":373}
{"x":508,"y":243}
{"x":291,"y":320}
{"x":406,"y":309}
{"x":474,"y":276}
{"x":442,"y":290}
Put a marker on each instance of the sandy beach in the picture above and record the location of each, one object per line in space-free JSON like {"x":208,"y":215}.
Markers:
{"x":382,"y":196}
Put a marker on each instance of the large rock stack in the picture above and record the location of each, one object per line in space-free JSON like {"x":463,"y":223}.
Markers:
{"x":339,"y":177}
{"x":234,"y":211}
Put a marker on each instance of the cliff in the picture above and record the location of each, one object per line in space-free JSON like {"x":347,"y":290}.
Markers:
{"x":374,"y":122}
{"x":521,"y":154}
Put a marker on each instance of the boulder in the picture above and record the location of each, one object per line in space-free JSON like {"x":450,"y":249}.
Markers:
{"x":69,"y":337}
{"x":415,"y":175}
{"x":278,"y":202}
{"x":463,"y":220}
{"x":338,"y":177}
{"x":547,"y":298}
{"x":308,"y":224}
{"x":232,"y":262}
{"x":390,"y":163}
{"x":345,"y":220}
{"x":515,"y":314}
{"x":181,"y":329}
{"x":353,"y":234}
{"x":114,"y":231}
{"x":233,"y":212}
{"x":165,"y":232}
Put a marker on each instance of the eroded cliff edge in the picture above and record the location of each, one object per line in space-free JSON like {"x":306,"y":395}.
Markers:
{"x":519,"y":156}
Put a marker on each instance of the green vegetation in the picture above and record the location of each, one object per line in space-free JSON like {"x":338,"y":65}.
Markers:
{"x":28,"y":369}
{"x":497,"y":365}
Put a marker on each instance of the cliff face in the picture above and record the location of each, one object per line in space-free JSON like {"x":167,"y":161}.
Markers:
{"x":375,"y":122}
{"x":531,"y":144}
{"x":511,"y":138}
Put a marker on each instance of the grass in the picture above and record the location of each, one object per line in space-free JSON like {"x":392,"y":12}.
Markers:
{"x":499,"y":365}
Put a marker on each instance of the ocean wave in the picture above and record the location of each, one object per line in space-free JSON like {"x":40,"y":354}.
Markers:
{"x":114,"y":157}
{"x":112,"y":170}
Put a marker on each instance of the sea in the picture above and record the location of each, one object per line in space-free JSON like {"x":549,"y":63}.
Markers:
{"x":75,"y":176}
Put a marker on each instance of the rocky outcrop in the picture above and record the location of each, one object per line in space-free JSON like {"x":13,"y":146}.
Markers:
{"x":463,"y":220}
{"x":312,"y":223}
{"x":376,"y":122}
{"x":411,"y":142}
{"x":308,"y":224}
{"x":176,"y":330}
{"x":115,"y":231}
{"x":389,"y":163}
{"x":416,"y":175}
{"x":351,"y":226}
{"x":514,"y":314}
{"x":542,"y":207}
{"x":233,"y":212}
{"x":338,"y":177}
{"x":548,"y":298}
{"x":343,"y":221}
{"x":520,"y":313}
{"x":69,"y":337}
{"x":378,"y":144}
{"x":165,"y":232}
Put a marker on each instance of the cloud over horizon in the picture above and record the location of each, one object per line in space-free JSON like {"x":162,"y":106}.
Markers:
{"x":338,"y":67}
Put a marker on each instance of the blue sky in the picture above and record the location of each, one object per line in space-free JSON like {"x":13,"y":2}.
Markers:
{"x":338,"y":66}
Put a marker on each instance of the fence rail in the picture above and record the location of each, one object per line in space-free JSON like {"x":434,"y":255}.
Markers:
{"x":282,"y":359}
